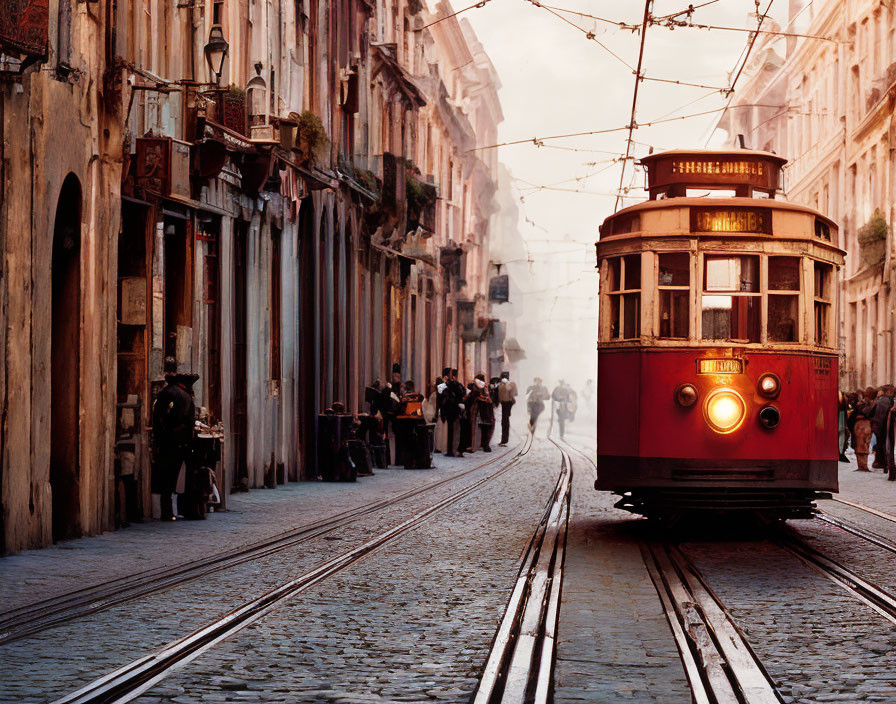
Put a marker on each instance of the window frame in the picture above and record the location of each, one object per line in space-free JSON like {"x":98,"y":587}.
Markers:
{"x":620,"y":293}
{"x":701,"y":292}
{"x":767,"y":292}
{"x":669,"y":287}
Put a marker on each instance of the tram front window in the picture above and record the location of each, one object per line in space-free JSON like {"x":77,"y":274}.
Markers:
{"x":783,"y":298}
{"x":674,"y":279}
{"x":731,"y":298}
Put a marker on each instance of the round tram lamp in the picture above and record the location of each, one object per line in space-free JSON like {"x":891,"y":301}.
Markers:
{"x":769,"y":386}
{"x":686,"y":395}
{"x":724,"y":410}
{"x":215,"y":51}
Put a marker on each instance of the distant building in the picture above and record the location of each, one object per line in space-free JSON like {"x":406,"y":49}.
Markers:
{"x":828,"y":107}
{"x":288,"y":220}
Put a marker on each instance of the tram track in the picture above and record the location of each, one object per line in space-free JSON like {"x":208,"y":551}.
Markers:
{"x":133,"y":679}
{"x":39,"y":616}
{"x":520,"y":664}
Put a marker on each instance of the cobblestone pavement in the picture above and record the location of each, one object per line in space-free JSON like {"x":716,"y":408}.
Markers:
{"x":38,"y":574}
{"x":128,"y":631}
{"x":818,"y":643}
{"x":413,"y":622}
{"x":36,"y":669}
{"x":614,"y":643}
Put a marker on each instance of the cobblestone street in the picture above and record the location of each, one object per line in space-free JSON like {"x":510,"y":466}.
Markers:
{"x":414,"y":620}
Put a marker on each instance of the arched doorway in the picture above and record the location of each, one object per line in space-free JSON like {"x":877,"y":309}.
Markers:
{"x":65,"y":361}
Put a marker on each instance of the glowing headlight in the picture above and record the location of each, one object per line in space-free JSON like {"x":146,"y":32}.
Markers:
{"x":724,"y":410}
{"x":686,"y":395}
{"x":769,"y":386}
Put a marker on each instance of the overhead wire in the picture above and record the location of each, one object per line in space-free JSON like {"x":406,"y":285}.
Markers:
{"x":588,"y":34}
{"x":479,"y":4}
{"x":631,"y":123}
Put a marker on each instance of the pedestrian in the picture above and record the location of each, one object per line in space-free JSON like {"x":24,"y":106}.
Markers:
{"x":485,"y":412}
{"x":452,"y":410}
{"x":537,"y":395}
{"x":879,"y":425}
{"x":468,"y":419}
{"x":507,"y":394}
{"x":440,"y":435}
{"x":564,"y":399}
{"x":173,"y":418}
{"x":863,"y":429}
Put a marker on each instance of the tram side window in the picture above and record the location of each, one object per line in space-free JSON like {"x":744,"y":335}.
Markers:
{"x":783,"y":298}
{"x":823,"y":277}
{"x":625,"y":297}
{"x":731,"y":298}
{"x":674,"y":283}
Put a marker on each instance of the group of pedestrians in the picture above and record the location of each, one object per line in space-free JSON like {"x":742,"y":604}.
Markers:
{"x":465,"y":413}
{"x":563,"y":400}
{"x":869,"y":417}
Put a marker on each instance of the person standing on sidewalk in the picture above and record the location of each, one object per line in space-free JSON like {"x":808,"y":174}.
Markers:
{"x":451,"y":410}
{"x":879,"y":426}
{"x":507,"y":394}
{"x":173,"y":417}
{"x":864,"y":413}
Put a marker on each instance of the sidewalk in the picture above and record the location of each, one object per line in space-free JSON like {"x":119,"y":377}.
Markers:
{"x":868,"y":488}
{"x":34,"y":575}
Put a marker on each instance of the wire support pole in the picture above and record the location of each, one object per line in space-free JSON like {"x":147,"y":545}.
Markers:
{"x":631,"y":122}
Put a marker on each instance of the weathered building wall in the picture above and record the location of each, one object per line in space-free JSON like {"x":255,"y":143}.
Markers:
{"x":828,"y":106}
{"x":60,"y":131}
{"x":285,"y":265}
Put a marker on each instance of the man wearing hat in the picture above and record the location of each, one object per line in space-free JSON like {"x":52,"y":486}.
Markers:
{"x":173,"y":417}
{"x":506,"y":397}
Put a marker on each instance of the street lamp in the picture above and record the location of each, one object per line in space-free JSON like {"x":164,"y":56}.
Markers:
{"x":215,"y":51}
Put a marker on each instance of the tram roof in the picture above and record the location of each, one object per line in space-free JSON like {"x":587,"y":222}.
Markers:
{"x":747,"y":153}
{"x":668,"y":203}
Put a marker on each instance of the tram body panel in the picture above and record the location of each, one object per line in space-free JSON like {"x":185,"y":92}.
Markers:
{"x":645,"y":438}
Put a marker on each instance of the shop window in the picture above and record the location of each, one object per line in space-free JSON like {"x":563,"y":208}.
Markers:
{"x":822,"y":304}
{"x":624,"y":291}
{"x":731,"y":298}
{"x":674,"y":282}
{"x":783,"y":299}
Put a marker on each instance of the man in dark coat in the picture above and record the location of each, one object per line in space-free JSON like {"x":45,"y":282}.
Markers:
{"x":173,"y":417}
{"x":506,"y":397}
{"x":451,"y":410}
{"x":879,"y":426}
{"x":485,"y":407}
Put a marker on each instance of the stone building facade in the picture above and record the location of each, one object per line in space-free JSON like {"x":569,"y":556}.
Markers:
{"x":288,"y":230}
{"x":828,"y":106}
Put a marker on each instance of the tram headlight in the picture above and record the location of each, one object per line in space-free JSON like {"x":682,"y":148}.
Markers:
{"x":686,"y":395}
{"x":770,"y":416}
{"x":769,"y":385}
{"x":724,"y":410}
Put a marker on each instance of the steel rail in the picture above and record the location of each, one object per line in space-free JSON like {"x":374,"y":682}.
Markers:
{"x":39,"y":616}
{"x":133,"y":679}
{"x":873,"y":538}
{"x":521,"y":661}
{"x":879,"y":599}
{"x":719,"y":663}
{"x":866,"y":509}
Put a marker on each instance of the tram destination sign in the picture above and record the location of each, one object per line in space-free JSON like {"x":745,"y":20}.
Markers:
{"x":716,"y":169}
{"x":720,"y":365}
{"x":758,"y":220}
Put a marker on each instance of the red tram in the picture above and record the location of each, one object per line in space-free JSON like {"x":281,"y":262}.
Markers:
{"x":717,"y":355}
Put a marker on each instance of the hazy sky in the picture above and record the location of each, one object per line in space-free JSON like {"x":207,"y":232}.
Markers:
{"x":555,"y":80}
